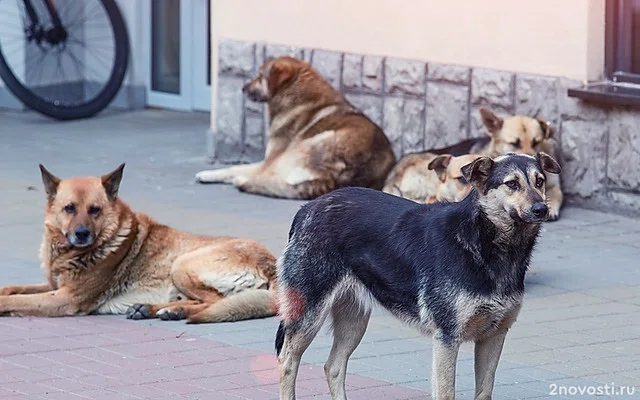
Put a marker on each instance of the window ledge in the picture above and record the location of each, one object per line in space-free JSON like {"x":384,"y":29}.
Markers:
{"x":609,"y":92}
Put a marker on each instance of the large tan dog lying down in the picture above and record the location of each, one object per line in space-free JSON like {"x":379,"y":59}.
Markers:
{"x":317,"y":141}
{"x":101,"y":257}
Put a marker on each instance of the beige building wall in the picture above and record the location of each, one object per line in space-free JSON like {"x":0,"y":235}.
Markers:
{"x":547,"y":37}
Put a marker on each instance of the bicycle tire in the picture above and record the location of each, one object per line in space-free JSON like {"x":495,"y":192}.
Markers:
{"x":102,"y":99}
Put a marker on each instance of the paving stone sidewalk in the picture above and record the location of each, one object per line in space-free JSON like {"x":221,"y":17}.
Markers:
{"x":579,"y":327}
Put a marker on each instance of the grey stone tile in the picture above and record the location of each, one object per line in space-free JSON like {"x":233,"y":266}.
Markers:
{"x":616,"y":293}
{"x":369,"y":104}
{"x":521,"y":391}
{"x":536,"y":374}
{"x":584,"y":153}
{"x":229,"y":118}
{"x":352,"y":71}
{"x":362,"y":73}
{"x":448,"y":73}
{"x":624,"y":142}
{"x":236,"y":57}
{"x":447,"y":114}
{"x":404,"y":124}
{"x":492,"y":88}
{"x":536,"y":97}
{"x":405,"y":77}
{"x":329,"y":64}
{"x":278,"y":50}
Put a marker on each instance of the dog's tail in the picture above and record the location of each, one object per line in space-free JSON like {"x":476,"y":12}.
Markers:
{"x":248,"y":304}
{"x":280,"y":338}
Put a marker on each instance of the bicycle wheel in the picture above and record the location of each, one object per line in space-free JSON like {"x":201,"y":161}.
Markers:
{"x":68,"y":75}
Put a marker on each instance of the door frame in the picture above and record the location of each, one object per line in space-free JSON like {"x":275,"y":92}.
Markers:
{"x":200,"y":91}
{"x":193,"y":62}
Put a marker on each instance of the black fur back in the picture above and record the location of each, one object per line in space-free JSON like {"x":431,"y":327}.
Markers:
{"x":404,"y":253}
{"x":469,"y":146}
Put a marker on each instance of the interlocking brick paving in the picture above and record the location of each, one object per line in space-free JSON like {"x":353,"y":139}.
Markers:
{"x":97,"y":357}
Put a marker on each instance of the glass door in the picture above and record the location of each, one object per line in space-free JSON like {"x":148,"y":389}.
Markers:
{"x":179,"y":54}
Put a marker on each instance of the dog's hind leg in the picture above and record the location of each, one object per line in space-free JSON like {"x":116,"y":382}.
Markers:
{"x":271,"y":185}
{"x":294,"y":345}
{"x":487,"y":355}
{"x":443,"y":374}
{"x":350,"y":322}
{"x":227,"y":175}
{"x":293,"y":340}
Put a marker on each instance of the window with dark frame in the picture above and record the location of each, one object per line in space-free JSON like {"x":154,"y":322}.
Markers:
{"x":622,"y":57}
{"x":622,"y":38}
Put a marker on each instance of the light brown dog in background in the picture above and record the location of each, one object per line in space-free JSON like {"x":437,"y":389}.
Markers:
{"x":525,"y":135}
{"x":426,"y":177}
{"x":515,"y":134}
{"x":316,"y":141}
{"x":101,"y":257}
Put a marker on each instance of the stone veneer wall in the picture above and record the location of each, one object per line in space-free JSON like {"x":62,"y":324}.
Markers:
{"x":425,"y":105}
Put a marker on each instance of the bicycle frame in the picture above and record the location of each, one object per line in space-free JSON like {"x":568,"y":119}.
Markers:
{"x":51,"y":8}
{"x":36,"y":30}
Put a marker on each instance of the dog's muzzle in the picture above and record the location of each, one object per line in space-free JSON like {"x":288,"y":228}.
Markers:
{"x":81,"y":237}
{"x":254,"y":94}
{"x":540,"y":210}
{"x":537,"y":213}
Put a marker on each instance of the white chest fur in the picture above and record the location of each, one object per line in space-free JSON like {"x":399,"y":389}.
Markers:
{"x":120,"y":303}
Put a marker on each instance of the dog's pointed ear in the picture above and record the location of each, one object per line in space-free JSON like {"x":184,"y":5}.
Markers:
{"x":50,"y":182}
{"x":111,"y":182}
{"x":491,"y":121}
{"x":477,"y":172}
{"x":546,"y":127}
{"x":547,"y":163}
{"x":282,"y":72}
{"x":439,"y":165}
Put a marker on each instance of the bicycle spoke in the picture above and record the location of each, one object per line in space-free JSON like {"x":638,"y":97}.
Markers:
{"x":38,"y":63}
{"x":88,"y":15}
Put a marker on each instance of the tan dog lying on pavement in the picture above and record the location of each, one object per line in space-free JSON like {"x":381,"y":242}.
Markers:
{"x":517,"y":134}
{"x":427,"y":177}
{"x":317,"y":141}
{"x":101,"y":257}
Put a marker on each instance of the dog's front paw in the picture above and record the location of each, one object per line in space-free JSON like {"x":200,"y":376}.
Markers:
{"x":139,"y":311}
{"x":171,"y":314}
{"x":554,"y":215}
{"x":201,"y":177}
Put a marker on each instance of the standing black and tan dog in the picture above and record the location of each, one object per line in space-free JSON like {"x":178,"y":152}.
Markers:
{"x":317,"y":141}
{"x":454,"y":270}
{"x":100,"y":257}
{"x":517,"y":134}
